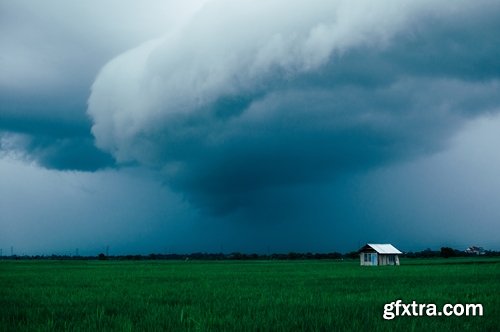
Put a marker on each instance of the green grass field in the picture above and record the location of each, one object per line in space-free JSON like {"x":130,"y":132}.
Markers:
{"x":242,"y":296}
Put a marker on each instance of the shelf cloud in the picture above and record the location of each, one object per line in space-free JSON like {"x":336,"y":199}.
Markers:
{"x":243,"y":97}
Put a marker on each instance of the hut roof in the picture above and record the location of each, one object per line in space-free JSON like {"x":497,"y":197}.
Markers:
{"x":382,"y":248}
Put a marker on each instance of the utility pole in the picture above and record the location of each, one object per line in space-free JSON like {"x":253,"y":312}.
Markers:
{"x":107,"y":251}
{"x":11,"y":250}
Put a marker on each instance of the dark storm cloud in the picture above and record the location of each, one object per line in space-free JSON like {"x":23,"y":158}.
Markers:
{"x":51,"y":53}
{"x":66,"y":153}
{"x":46,"y":70}
{"x":301,"y":136}
{"x":297,"y":102}
{"x":51,"y":130}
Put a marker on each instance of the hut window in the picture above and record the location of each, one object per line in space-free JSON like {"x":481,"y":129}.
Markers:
{"x":368,"y":257}
{"x":391,"y":258}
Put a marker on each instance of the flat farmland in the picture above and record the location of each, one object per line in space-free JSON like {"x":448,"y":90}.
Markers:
{"x":243,"y":295}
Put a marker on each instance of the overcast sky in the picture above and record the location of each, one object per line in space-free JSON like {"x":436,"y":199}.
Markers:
{"x":248,"y":126}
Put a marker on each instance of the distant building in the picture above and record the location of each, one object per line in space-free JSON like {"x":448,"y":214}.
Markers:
{"x":379,"y":254}
{"x":473,"y":250}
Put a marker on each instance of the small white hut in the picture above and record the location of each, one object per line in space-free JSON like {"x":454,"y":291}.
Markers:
{"x":379,"y":254}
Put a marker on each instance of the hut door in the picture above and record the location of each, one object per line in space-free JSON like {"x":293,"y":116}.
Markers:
{"x":374,"y":259}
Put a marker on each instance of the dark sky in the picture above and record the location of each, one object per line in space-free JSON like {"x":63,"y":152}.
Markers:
{"x":248,"y":126}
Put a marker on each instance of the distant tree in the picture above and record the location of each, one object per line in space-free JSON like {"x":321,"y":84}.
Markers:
{"x":352,"y":254}
{"x":294,"y":255}
{"x":447,"y":252}
{"x":102,"y":257}
{"x":338,"y":255}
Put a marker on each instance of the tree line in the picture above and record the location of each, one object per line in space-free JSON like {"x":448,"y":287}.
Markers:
{"x":427,"y":253}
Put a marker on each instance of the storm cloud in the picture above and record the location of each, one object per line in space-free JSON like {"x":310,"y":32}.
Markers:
{"x":252,"y":126}
{"x":238,"y":100}
{"x":51,"y":53}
